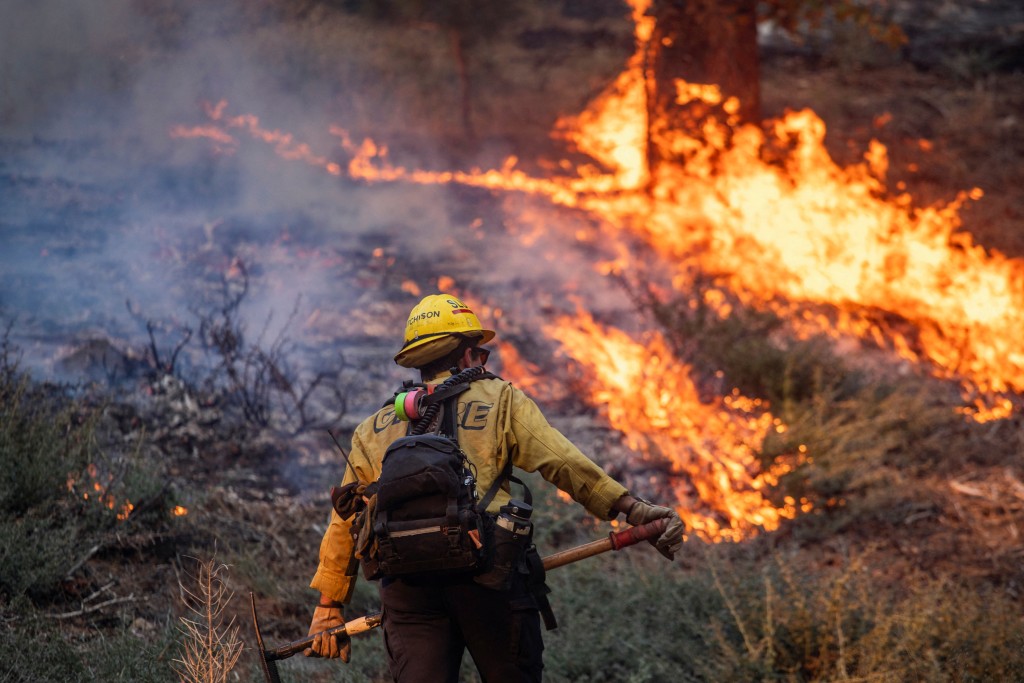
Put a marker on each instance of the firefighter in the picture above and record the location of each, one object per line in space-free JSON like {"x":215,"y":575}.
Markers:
{"x":428,"y":624}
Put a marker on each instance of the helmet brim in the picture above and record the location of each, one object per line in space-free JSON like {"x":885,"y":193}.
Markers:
{"x":419,"y":352}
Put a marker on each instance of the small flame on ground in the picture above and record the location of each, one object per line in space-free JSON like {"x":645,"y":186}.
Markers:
{"x":92,"y":485}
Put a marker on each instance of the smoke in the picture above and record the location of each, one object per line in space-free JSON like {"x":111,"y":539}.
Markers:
{"x":56,"y":51}
{"x":103,"y":206}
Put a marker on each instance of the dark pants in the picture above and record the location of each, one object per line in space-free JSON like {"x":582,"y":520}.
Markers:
{"x":427,"y":627}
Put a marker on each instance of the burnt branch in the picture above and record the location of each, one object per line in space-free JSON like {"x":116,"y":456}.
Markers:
{"x":163,"y":364}
{"x":258,"y":377}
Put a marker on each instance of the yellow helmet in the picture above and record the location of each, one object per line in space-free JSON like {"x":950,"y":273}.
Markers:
{"x":435,"y":327}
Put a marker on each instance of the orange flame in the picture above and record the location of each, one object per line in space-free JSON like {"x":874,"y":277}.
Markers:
{"x":808,"y":230}
{"x":610,"y":130}
{"x":814,"y":232}
{"x":649,"y":396}
{"x":95,"y":486}
{"x":785,"y":227}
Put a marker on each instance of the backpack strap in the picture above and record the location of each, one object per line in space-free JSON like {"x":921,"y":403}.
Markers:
{"x":449,"y":423}
{"x":505,"y":475}
{"x":538,"y":587}
{"x":448,"y":389}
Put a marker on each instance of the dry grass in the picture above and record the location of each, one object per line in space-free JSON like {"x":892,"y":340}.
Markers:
{"x":847,"y":624}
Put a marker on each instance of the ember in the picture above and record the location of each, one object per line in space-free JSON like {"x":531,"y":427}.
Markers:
{"x":95,"y":486}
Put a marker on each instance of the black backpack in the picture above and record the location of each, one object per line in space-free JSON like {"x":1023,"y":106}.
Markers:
{"x":424,"y":519}
{"x":425,"y":515}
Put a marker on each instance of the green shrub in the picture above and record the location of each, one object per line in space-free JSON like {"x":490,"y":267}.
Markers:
{"x":36,"y":648}
{"x":749,"y":349}
{"x":735,"y":615}
{"x":36,"y":449}
{"x":60,"y":492}
{"x":39,"y":450}
{"x":871,"y":455}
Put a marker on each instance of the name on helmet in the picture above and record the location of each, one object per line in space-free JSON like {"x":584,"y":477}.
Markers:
{"x":423,"y":316}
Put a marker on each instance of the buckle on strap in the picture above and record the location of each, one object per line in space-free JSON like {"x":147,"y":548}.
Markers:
{"x":454,"y":539}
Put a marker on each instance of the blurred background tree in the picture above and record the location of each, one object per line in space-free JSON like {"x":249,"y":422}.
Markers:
{"x":466,"y":24}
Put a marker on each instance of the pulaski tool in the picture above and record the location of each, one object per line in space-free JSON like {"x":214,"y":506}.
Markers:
{"x":268,"y":658}
{"x":617,"y":540}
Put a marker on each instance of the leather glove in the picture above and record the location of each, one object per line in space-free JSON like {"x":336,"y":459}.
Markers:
{"x":642,"y":512}
{"x":328,"y":646}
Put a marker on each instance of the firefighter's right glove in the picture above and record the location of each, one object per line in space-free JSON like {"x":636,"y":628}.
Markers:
{"x":642,"y":512}
{"x":328,"y":646}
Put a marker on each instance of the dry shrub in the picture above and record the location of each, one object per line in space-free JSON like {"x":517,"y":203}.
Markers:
{"x":211,"y":646}
{"x":849,"y":624}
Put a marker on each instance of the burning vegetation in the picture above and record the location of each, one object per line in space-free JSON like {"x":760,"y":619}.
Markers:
{"x":821,"y":369}
{"x":778,"y":225}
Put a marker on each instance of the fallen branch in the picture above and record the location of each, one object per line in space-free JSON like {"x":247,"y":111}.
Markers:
{"x":93,"y":608}
{"x":85,"y":558}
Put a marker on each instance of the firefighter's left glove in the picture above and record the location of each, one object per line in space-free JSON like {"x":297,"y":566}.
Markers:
{"x":642,"y":512}
{"x":328,"y":646}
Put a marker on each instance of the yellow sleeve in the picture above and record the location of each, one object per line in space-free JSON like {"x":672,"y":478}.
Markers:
{"x":338,"y":568}
{"x":536,"y":446}
{"x":336,"y":574}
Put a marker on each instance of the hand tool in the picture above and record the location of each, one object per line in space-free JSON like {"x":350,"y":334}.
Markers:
{"x":617,"y":540}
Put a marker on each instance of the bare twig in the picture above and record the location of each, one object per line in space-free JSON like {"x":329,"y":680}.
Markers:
{"x":748,"y":641}
{"x":177,"y":575}
{"x":255,"y":373}
{"x":85,"y":558}
{"x":160,"y":364}
{"x":93,"y":608}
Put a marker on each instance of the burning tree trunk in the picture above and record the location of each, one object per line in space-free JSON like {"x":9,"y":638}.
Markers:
{"x":701,"y":42}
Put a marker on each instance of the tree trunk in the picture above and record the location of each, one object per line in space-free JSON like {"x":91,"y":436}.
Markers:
{"x":705,"y":42}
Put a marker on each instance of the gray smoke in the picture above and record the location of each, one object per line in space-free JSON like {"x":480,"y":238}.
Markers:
{"x":102,"y":205}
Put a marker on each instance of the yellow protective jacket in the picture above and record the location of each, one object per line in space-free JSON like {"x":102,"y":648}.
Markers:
{"x":496,"y":421}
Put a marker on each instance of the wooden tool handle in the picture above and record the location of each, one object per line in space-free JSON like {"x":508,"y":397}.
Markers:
{"x":635,"y":534}
{"x":360,"y":625}
{"x":615,"y":541}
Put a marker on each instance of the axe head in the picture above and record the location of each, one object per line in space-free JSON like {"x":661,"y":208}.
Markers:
{"x":268,"y":665}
